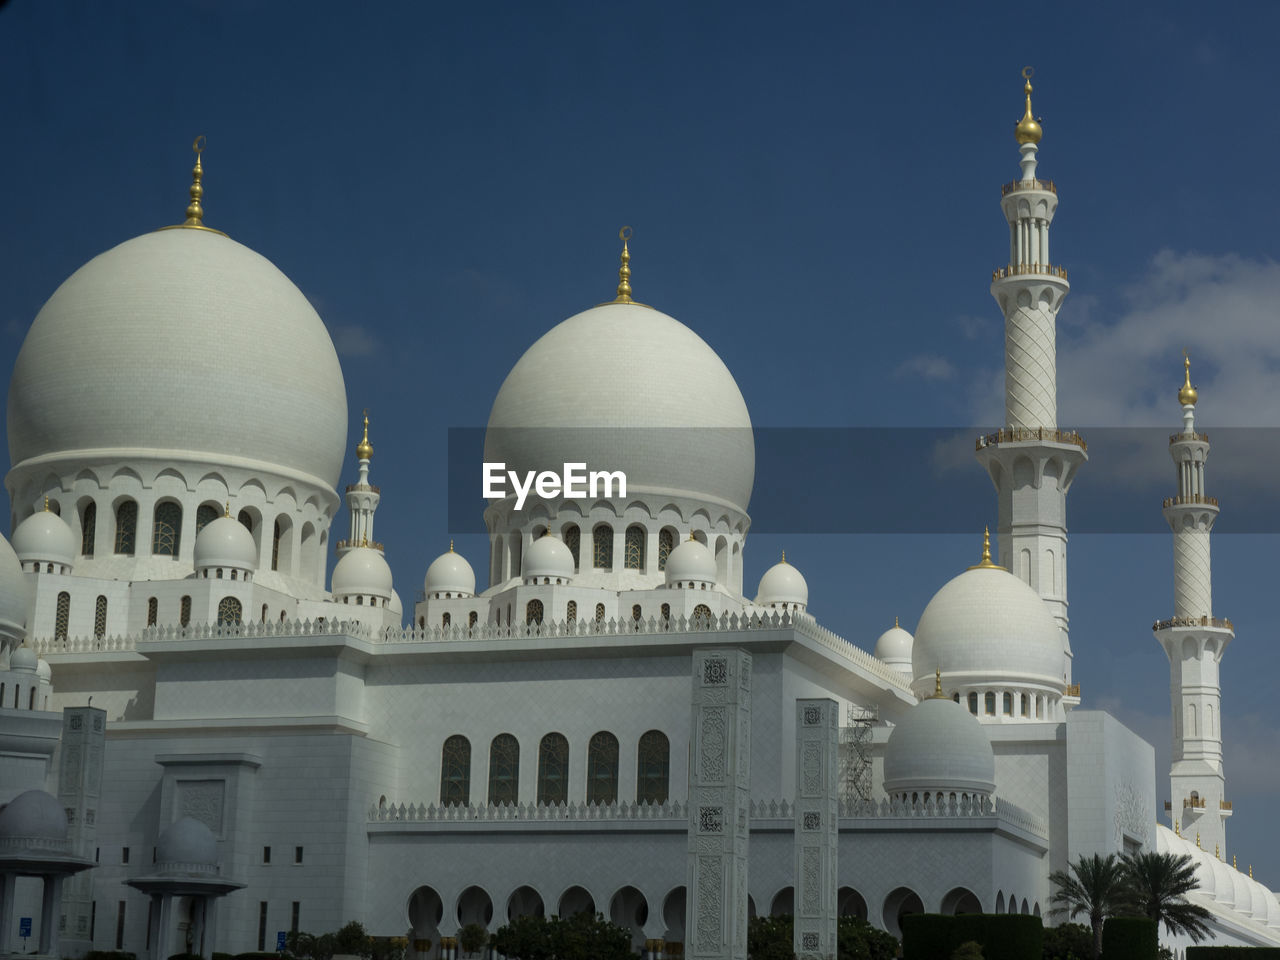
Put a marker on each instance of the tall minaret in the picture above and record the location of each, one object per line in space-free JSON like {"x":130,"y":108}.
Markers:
{"x":1031,"y":462}
{"x":1194,"y":640}
{"x":362,"y":500}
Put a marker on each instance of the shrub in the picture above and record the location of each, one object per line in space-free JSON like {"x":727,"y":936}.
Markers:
{"x":769,"y":938}
{"x":1130,"y":938}
{"x":1003,"y":936}
{"x":1068,"y":941}
{"x":859,"y":940}
{"x":969,"y":950}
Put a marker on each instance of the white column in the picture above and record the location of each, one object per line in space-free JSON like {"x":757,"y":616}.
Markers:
{"x":816,"y":828}
{"x":50,"y":913}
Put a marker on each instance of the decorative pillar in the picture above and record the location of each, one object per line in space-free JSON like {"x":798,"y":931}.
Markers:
{"x":719,"y":802}
{"x":816,"y":828}
{"x":50,"y":915}
{"x":79,"y":793}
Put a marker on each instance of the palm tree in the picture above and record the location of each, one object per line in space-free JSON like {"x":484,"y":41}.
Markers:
{"x":1097,"y":889}
{"x":1158,"y":884}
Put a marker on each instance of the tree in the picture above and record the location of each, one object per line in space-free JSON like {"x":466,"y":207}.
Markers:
{"x":1068,"y":941}
{"x":859,"y":940}
{"x":472,"y":937}
{"x":1157,"y":885}
{"x":580,"y":937}
{"x":769,"y":938}
{"x":1096,"y":890}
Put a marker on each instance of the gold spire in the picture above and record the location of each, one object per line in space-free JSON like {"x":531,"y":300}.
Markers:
{"x":985,"y":563}
{"x":451,"y":546}
{"x":195,"y":212}
{"x":1234,"y":865}
{"x":1187,"y":396}
{"x":46,"y":503}
{"x":1216,"y":854}
{"x":1028,"y":129}
{"x":1177,"y":827}
{"x":624,"y":272}
{"x":784,"y":557}
{"x":937,"y":685}
{"x":1197,"y":838}
{"x":364,"y":449}
{"x":895,"y":623}
{"x":228,"y":509}
{"x":1251,"y":871}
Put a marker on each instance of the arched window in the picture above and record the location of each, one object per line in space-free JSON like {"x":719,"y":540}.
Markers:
{"x":666,"y":611}
{"x":533,"y":613}
{"x":88,"y":529}
{"x":666,"y":543}
{"x":275,"y":546}
{"x":553,"y":769}
{"x":636,"y":614}
{"x":246,"y":520}
{"x":990,"y":702}
{"x":602,"y":547}
{"x":472,"y":618}
{"x":264,"y":613}
{"x":206,"y":513}
{"x":599,"y":613}
{"x":1026,"y":706}
{"x":602,"y":768}
{"x":228,"y":611}
{"x":1008,"y":704}
{"x":653,"y":768}
{"x":184,"y":611}
{"x":504,"y":769}
{"x":100,"y":618}
{"x":633,"y":548}
{"x":445,"y":620}
{"x":973,"y":703}
{"x":166,"y":529}
{"x":455,"y":771}
{"x":62,"y":617}
{"x":571,"y":612}
{"x":153,"y":611}
{"x":572,"y":540}
{"x":702,"y":615}
{"x":126,"y":527}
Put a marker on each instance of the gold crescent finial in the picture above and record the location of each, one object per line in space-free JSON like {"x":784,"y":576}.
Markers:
{"x":1028,"y":129}
{"x":364,"y":449}
{"x":195,"y":212}
{"x":1187,"y":395}
{"x":1234,"y":865}
{"x":985,"y":563}
{"x":624,"y":272}
{"x":937,"y":685}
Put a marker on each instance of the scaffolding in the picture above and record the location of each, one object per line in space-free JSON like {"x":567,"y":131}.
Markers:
{"x":855,"y":753}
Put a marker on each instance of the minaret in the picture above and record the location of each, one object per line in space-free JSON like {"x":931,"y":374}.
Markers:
{"x":1031,"y":462}
{"x":362,"y":500}
{"x":1194,"y":640}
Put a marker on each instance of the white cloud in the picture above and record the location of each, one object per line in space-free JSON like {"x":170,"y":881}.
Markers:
{"x":353,"y":340}
{"x":926,"y":366}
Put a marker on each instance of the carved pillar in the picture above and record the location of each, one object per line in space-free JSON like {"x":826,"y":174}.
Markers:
{"x":79,"y":793}
{"x":719,"y":798}
{"x":816,"y":829}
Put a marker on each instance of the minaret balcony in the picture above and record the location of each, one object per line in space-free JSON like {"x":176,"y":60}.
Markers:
{"x":363,"y":487}
{"x":1220,"y":623}
{"x":1031,"y":435}
{"x":1179,"y":501}
{"x":351,"y":544}
{"x":1017,"y":185}
{"x":1197,"y":802}
{"x":1026,"y":269}
{"x":1188,"y":436}
{"x":1224,"y":808}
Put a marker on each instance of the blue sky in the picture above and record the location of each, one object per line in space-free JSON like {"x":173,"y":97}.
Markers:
{"x":814,"y":189}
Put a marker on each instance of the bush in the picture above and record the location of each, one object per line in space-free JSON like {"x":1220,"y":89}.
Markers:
{"x":1233,"y":953}
{"x":858,"y":940}
{"x":472,"y":937}
{"x":1003,"y":936}
{"x":580,"y":937}
{"x":217,"y":955}
{"x":1068,"y":941}
{"x":769,"y":938}
{"x":969,"y":950}
{"x":1130,"y":938}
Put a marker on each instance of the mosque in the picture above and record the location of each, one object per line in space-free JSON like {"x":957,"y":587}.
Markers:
{"x":203,"y":745}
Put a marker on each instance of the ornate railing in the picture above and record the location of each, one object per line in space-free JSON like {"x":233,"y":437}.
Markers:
{"x":1192,"y":435}
{"x":1024,"y":269}
{"x":1221,"y":622}
{"x":1190,"y":498}
{"x":1017,"y":185}
{"x":1022,"y":434}
{"x":1073,"y":690}
{"x":1197,"y":802}
{"x":343,"y":544}
{"x":363,"y":486}
{"x":1224,"y":804}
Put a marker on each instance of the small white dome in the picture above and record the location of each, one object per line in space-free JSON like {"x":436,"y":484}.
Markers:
{"x":782,"y":583}
{"x":13,"y":594}
{"x":690,"y":561}
{"x":45,"y":536}
{"x":547,"y":557}
{"x":894,"y":648}
{"x":187,"y":841}
{"x":939,"y":745}
{"x":395,"y":605}
{"x":24,"y":660}
{"x":225,"y":542}
{"x":362,"y":571}
{"x":44,"y":671}
{"x":450,"y":573}
{"x":34,"y":815}
{"x":984,"y":626}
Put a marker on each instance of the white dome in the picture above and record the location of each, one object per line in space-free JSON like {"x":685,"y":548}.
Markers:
{"x":187,"y":841}
{"x":619,"y":387}
{"x":43,"y":670}
{"x":363,"y":571}
{"x":201,"y":328}
{"x":225,"y":542}
{"x":450,"y":573}
{"x":894,"y":648}
{"x":394,"y":604}
{"x":45,"y":536}
{"x":13,"y":594}
{"x":939,"y":745}
{"x":24,"y":660}
{"x":547,"y":557}
{"x":782,"y":583}
{"x":34,"y":815}
{"x":986,"y":626}
{"x":690,"y":561}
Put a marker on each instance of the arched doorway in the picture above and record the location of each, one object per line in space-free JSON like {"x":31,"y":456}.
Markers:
{"x":961,"y":900}
{"x":783,"y":902}
{"x":898,"y":904}
{"x":673,"y":916}
{"x":850,"y":903}
{"x":524,"y":902}
{"x":576,"y":900}
{"x":475,"y":906}
{"x":426,"y":909}
{"x":630,"y":909}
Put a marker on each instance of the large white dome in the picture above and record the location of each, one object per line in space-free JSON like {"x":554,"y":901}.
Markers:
{"x":939,"y":745}
{"x":183,"y":344}
{"x":987,"y":626}
{"x":624,"y":387}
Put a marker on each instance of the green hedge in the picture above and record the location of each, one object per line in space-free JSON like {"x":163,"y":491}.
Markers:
{"x":1003,"y":936}
{"x":1130,"y":938}
{"x":110,"y":955}
{"x":1233,"y":953}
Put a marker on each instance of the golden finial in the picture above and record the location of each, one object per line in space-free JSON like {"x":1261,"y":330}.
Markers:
{"x":1251,"y":871}
{"x":1234,"y":865}
{"x":691,"y":536}
{"x":451,"y":546}
{"x":364,"y":449}
{"x":985,"y":563}
{"x":784,"y":556}
{"x":46,"y":503}
{"x":1177,"y":827}
{"x":1187,"y":396}
{"x":195,"y":212}
{"x":937,"y":685}
{"x":1028,"y":129}
{"x":227,"y":508}
{"x":1216,"y":854}
{"x":1198,"y":838}
{"x":895,"y":623}
{"x":624,"y":272}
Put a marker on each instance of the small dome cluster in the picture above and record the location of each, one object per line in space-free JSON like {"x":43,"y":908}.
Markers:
{"x":225,"y":544}
{"x":547,"y":560}
{"x":450,"y":575}
{"x":783,"y":587}
{"x":362,"y":577}
{"x":1223,"y":884}
{"x":894,"y":649}
{"x":43,"y":541}
{"x":690,"y":566}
